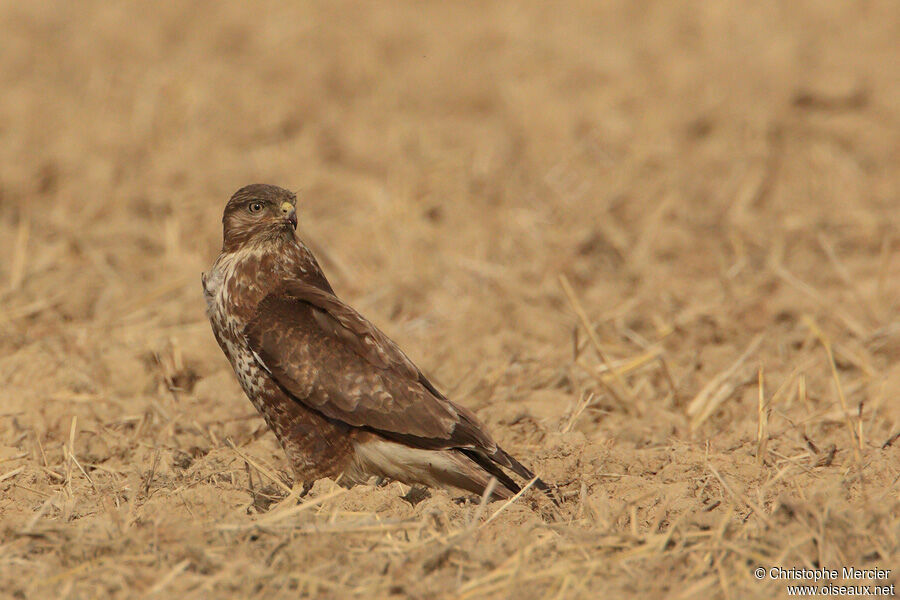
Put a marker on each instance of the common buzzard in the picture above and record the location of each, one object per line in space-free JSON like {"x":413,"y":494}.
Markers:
{"x":341,"y":397}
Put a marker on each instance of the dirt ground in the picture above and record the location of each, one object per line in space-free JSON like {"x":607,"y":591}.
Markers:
{"x":711,"y":189}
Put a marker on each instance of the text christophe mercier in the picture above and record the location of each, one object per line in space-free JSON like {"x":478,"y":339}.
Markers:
{"x":804,"y":574}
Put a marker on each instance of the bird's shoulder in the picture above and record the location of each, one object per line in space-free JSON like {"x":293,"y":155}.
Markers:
{"x":300,"y":306}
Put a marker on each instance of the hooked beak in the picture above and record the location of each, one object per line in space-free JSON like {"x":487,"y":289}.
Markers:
{"x":289,"y":213}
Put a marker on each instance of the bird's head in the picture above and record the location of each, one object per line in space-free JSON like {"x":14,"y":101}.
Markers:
{"x":258,"y":213}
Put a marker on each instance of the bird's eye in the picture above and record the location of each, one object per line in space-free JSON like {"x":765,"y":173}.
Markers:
{"x":254,"y":207}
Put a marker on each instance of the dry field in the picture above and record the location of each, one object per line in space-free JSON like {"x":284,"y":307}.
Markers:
{"x":654,"y":246}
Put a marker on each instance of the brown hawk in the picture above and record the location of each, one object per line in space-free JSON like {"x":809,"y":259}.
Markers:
{"x":339,"y":395}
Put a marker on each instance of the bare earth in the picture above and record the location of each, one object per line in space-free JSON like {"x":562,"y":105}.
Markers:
{"x":713,"y":189}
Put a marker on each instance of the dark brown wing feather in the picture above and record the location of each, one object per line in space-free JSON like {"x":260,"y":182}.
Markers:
{"x":335,"y":361}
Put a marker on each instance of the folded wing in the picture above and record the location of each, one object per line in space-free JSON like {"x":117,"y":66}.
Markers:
{"x":329,"y":357}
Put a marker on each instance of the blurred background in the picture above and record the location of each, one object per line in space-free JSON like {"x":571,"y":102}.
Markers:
{"x":712,"y":188}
